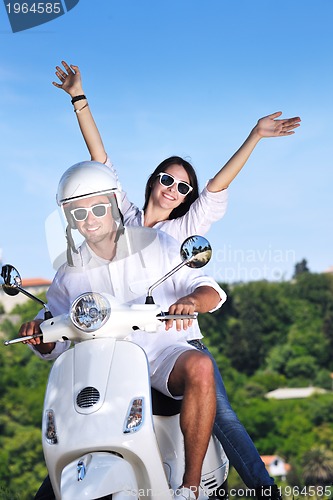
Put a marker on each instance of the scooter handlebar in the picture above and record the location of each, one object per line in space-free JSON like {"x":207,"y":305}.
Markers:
{"x":164,"y":316}
{"x":61,"y":327}
{"x":22,"y":339}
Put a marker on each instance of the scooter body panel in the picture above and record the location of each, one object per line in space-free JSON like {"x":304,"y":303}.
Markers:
{"x":104,"y":474}
{"x":118,"y":371}
{"x":170,"y":440}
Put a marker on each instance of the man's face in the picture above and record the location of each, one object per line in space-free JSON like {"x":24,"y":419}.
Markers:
{"x":95,"y":229}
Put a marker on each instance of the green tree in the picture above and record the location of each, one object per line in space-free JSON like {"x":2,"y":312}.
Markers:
{"x":300,"y":268}
{"x":328,"y":331}
{"x":269,"y":379}
{"x":23,"y":382}
{"x":318,"y":467}
{"x":29,"y":309}
{"x":316,"y":289}
{"x":302,"y":367}
{"x":262,"y":317}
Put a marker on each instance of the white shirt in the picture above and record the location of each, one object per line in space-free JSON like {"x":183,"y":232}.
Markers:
{"x":128,"y":277}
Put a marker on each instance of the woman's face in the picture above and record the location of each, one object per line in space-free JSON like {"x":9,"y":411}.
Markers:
{"x":169,"y":198}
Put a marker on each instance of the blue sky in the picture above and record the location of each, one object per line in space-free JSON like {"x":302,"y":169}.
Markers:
{"x":183,"y":77}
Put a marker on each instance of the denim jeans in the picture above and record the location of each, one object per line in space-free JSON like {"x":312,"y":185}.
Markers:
{"x":236,"y":442}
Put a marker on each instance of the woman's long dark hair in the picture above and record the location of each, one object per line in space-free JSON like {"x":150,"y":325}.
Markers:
{"x":189,"y":199}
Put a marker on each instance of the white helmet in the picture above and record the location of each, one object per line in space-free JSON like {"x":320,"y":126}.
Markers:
{"x":87,"y":178}
{"x":82,"y":180}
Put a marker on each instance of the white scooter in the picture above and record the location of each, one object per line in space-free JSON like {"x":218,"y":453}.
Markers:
{"x":105,"y":433}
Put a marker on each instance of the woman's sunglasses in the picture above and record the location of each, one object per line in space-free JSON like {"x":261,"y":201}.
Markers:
{"x":80,"y":214}
{"x":168,"y":180}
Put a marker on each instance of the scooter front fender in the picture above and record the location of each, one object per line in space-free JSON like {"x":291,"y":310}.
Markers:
{"x":96,"y":475}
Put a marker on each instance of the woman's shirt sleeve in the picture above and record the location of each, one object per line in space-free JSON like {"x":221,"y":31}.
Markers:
{"x":131,"y":213}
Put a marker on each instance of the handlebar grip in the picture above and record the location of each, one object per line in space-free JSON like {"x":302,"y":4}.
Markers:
{"x":165,"y":316}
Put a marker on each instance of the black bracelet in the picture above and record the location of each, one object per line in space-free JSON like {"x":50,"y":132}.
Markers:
{"x":78,"y":98}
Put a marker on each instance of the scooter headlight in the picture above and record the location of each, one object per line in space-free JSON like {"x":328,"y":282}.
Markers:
{"x":90,"y":311}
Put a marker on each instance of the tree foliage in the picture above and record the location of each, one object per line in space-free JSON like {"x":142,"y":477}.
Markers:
{"x":318,"y":466}
{"x":301,"y":267}
{"x":270,"y":325}
{"x":23,"y":381}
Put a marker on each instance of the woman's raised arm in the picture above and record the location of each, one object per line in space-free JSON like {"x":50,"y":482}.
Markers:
{"x":268,"y":126}
{"x":71,"y":83}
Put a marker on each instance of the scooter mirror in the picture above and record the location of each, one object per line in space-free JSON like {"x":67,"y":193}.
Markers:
{"x":196,"y":251}
{"x":11,"y":280}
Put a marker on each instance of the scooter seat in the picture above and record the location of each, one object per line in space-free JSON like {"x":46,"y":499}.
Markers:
{"x":163,"y":405}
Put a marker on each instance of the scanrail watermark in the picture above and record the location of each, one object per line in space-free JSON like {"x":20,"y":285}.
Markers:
{"x":324,"y":492}
{"x":250,"y":264}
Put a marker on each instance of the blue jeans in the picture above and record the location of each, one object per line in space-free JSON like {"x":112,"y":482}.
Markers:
{"x":236,"y":442}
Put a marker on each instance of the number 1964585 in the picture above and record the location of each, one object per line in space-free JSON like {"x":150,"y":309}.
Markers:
{"x":35,"y":8}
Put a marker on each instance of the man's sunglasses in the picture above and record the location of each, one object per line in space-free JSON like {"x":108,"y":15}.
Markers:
{"x":80,"y":214}
{"x":168,"y":180}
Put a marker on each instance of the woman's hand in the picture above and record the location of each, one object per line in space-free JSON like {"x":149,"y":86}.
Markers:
{"x":269,"y":126}
{"x":70,"y":79}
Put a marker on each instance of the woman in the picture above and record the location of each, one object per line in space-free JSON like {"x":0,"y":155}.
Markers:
{"x":192,"y":213}
{"x":173,"y":204}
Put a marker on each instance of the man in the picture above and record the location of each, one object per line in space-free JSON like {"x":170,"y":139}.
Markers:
{"x":90,"y":198}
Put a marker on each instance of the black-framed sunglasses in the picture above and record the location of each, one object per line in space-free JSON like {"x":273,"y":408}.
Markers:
{"x":167,"y":180}
{"x":80,"y":214}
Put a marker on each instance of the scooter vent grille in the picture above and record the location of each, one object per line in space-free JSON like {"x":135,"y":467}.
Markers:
{"x":89,"y":396}
{"x":209,"y":482}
